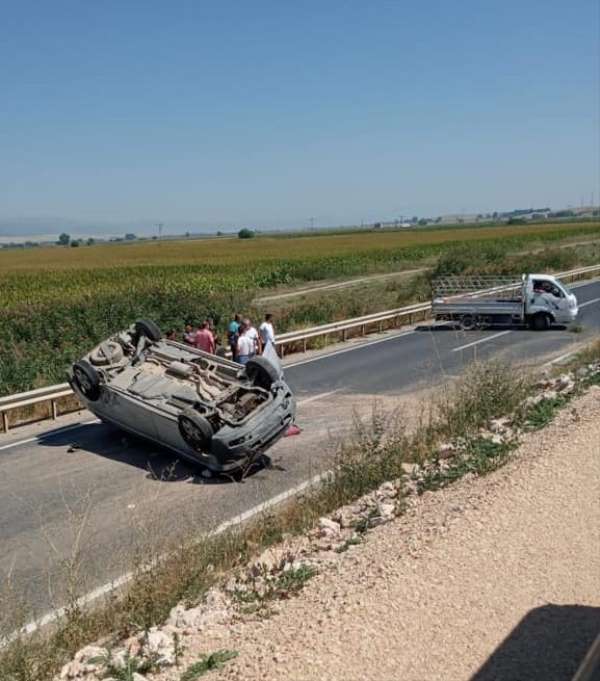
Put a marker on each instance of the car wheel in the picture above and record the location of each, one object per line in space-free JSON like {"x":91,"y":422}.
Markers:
{"x":261,"y":372}
{"x":146,"y":327}
{"x":87,"y":380}
{"x":195,"y":429}
{"x":540,"y":322}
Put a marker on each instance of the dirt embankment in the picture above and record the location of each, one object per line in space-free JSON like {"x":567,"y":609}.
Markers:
{"x":493,"y":578}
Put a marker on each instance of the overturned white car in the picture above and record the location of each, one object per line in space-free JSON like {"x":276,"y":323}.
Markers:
{"x":203,"y":407}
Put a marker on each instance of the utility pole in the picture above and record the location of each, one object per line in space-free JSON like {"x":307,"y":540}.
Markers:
{"x":160,"y":226}
{"x":312,"y":223}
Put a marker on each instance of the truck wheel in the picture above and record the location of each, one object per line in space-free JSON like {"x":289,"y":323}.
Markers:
{"x":540,"y":322}
{"x":195,"y":429}
{"x":261,"y":372}
{"x":468,"y":322}
{"x":146,"y":327}
{"x":87,"y":380}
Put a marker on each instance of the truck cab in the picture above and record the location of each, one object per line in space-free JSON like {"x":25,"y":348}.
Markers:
{"x":548,"y":300}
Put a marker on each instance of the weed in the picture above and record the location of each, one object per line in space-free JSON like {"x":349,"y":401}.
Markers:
{"x":352,"y":541}
{"x":209,"y":662}
{"x":486,"y":391}
{"x":291,"y":581}
{"x":178,"y":648}
{"x":126,"y":671}
{"x":480,"y":457}
{"x":284,"y":585}
{"x":576,"y":328}
{"x":539,"y":415}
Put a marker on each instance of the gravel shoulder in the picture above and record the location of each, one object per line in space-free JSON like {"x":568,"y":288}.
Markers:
{"x":492,"y":578}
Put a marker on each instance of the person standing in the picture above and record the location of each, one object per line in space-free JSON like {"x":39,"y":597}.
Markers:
{"x":267,"y":332}
{"x":253,"y":334}
{"x":245,"y":349}
{"x":189,"y":335}
{"x":205,"y":340}
{"x":233,"y":333}
{"x":211,"y":327}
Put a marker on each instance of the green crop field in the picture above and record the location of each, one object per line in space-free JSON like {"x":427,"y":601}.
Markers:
{"x":57,"y":302}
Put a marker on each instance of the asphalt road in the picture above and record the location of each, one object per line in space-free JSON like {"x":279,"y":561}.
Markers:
{"x":84,"y":498}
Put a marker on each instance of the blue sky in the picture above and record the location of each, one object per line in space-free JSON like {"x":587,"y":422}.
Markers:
{"x":269,"y":113}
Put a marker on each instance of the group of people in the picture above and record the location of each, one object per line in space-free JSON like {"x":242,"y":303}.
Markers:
{"x":243,"y":339}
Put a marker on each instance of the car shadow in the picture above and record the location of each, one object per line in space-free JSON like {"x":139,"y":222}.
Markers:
{"x":157,"y":462}
{"x":548,"y":644}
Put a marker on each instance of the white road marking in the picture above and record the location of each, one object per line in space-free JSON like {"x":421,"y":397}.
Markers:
{"x":37,"y":438}
{"x":589,"y":302}
{"x":560,"y":358}
{"x":314,"y":398}
{"x":481,"y":340}
{"x":107,"y":588}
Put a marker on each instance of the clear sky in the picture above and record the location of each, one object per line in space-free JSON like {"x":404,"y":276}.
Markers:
{"x":272,"y":112}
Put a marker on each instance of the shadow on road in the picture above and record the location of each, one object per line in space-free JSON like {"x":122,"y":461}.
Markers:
{"x":548,"y":644}
{"x":437,"y":328}
{"x":157,"y":462}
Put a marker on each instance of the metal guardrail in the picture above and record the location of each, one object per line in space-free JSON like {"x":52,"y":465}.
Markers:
{"x":51,"y":394}
{"x":401,"y":315}
{"x":398,"y":317}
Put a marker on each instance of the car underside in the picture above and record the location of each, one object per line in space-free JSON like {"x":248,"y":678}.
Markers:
{"x":225,"y":413}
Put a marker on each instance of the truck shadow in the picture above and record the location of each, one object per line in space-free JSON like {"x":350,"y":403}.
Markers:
{"x":157,"y":462}
{"x":548,"y":644}
{"x":439,"y":328}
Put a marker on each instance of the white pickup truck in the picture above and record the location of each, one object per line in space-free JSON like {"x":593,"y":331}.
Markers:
{"x":538,"y":300}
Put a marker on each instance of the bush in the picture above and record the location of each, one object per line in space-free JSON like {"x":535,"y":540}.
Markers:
{"x":246,"y":233}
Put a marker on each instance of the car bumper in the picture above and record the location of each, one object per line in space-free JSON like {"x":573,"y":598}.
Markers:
{"x":257,"y":434}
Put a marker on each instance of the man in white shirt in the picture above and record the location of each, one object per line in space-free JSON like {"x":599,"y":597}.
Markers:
{"x":253,"y":333}
{"x":267,"y":332}
{"x":246,"y":348}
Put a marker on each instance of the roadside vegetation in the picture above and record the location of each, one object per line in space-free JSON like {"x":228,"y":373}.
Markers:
{"x":380,"y":451}
{"x":57,"y":303}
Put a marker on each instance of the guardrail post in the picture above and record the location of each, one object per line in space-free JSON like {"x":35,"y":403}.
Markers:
{"x":304,"y":345}
{"x":5,"y":421}
{"x":344,"y":334}
{"x":363,"y":330}
{"x":53,"y":410}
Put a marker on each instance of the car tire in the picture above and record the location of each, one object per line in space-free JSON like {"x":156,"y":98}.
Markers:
{"x":146,"y":327}
{"x":261,"y":372}
{"x":87,"y":380}
{"x":195,"y":429}
{"x":540,"y":322}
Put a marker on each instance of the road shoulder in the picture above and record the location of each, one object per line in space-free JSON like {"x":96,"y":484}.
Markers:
{"x":468,"y":584}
